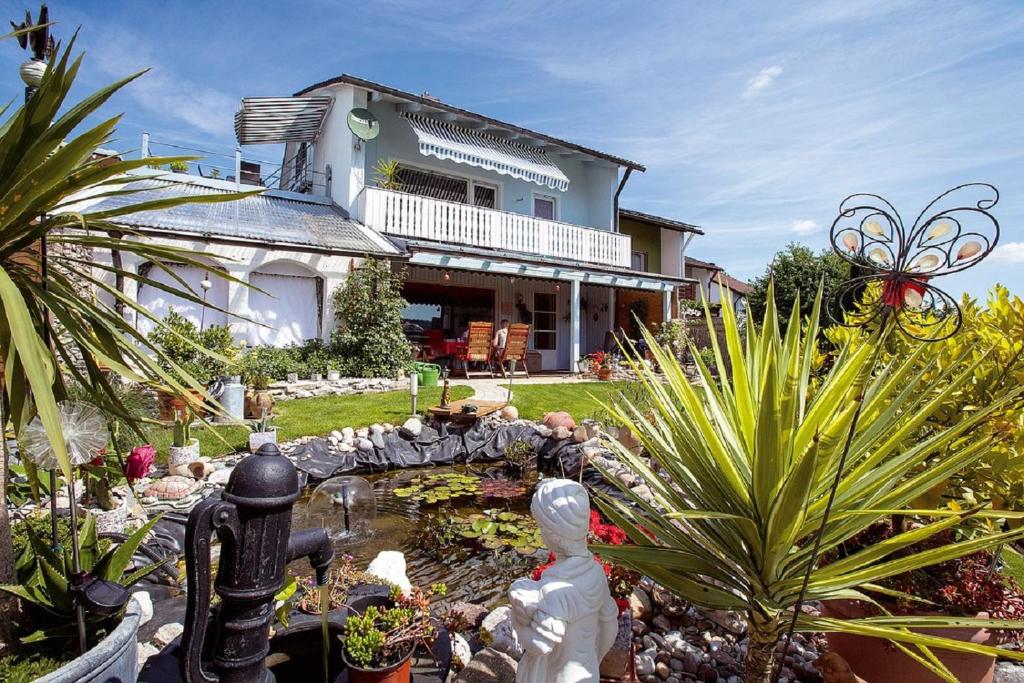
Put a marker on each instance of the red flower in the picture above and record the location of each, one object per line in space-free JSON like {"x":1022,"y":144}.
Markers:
{"x":98,"y":461}
{"x":622,"y":604}
{"x":894,"y":291}
{"x":138,"y":463}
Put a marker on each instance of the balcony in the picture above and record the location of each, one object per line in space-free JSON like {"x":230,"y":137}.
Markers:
{"x":418,"y":217}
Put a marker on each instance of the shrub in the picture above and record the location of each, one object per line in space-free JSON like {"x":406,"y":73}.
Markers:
{"x":368,"y":308}
{"x":179,"y":338}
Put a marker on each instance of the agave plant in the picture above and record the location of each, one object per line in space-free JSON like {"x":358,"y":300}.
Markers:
{"x":44,"y":175}
{"x":745,"y":462}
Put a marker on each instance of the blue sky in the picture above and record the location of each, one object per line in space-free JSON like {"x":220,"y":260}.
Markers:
{"x":754,"y":118}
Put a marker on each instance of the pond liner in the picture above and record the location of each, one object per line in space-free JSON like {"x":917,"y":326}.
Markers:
{"x":484,"y":441}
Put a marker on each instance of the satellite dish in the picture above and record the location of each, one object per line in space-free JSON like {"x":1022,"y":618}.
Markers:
{"x":363,"y":124}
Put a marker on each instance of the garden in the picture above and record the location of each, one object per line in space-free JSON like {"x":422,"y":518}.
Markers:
{"x":805,"y":499}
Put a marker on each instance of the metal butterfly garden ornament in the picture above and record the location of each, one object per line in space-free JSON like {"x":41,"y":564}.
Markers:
{"x":954,"y":232}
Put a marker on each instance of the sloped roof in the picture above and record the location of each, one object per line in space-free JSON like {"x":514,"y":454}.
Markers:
{"x":660,"y":221}
{"x":269,"y":218}
{"x":433,"y":104}
{"x":697,"y":263}
{"x":729,"y":282}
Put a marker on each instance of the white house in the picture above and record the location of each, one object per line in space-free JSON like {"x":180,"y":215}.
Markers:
{"x":492,"y":221}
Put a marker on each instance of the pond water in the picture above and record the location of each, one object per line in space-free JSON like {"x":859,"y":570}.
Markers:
{"x":465,"y":526}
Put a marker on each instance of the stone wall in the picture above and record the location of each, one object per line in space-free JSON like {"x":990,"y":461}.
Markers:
{"x":283,"y":391}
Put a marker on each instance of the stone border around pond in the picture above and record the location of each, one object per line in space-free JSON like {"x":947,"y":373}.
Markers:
{"x":285,"y":391}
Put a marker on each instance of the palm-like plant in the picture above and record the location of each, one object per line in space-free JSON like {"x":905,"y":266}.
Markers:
{"x":46,"y":329}
{"x":745,"y":463}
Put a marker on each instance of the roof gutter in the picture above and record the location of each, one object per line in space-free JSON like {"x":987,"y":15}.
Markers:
{"x":615,"y":202}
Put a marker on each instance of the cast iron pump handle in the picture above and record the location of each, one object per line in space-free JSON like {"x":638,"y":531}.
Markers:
{"x":252,"y":519}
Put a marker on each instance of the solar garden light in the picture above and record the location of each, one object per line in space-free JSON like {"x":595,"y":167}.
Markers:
{"x":414,"y":389}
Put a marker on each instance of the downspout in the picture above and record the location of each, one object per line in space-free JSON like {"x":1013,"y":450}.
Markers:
{"x":615,"y":201}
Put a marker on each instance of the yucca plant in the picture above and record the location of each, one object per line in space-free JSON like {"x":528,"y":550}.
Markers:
{"x":44,"y":176}
{"x":745,"y":462}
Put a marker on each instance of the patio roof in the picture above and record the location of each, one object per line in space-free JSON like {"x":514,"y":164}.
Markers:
{"x":268,"y":219}
{"x":506,"y":262}
{"x":429,"y":104}
{"x":462,"y":145}
{"x":270,"y":120}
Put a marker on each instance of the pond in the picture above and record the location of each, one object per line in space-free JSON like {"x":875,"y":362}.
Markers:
{"x":468,"y":527}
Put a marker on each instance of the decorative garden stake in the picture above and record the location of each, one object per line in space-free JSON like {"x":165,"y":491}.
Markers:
{"x":950,"y":235}
{"x":85,"y":432}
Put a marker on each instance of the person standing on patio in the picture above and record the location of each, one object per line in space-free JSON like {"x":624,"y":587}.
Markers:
{"x":500,"y":338}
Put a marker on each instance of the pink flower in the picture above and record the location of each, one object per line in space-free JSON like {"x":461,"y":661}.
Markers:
{"x":138,"y":463}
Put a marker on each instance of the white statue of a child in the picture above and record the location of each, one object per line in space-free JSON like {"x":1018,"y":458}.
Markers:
{"x":567,"y":621}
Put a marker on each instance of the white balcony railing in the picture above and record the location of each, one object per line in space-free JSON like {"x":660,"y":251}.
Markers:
{"x":415,"y":216}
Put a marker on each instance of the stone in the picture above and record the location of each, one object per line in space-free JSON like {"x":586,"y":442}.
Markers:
{"x":388,"y":427}
{"x":412,"y":427}
{"x":145,"y":606}
{"x":171,"y":488}
{"x":640,"y":604}
{"x":645,"y":663}
{"x":1006,"y":672}
{"x":470,"y":612}
{"x":559,"y":419}
{"x":166,"y":634}
{"x":376,"y":429}
{"x":560,"y":433}
{"x":377,"y":439}
{"x":364,"y":444}
{"x":579,"y":434}
{"x":200,"y":470}
{"x":629,"y":440}
{"x":362,"y":432}
{"x":489,"y":666}
{"x":144,"y":652}
{"x":574,"y":584}
{"x":496,"y":632}
{"x":348,"y":433}
{"x":728,"y":620}
{"x":336,"y":435}
{"x":334,"y":441}
{"x":661,"y":622}
{"x":616,"y":661}
{"x":390,"y":566}
{"x":662,"y":670}
{"x":461,"y":654}
{"x":509,"y":413}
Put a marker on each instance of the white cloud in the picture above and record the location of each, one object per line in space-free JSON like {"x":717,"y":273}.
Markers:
{"x":1011,"y":252}
{"x":764,"y":79}
{"x":805,"y":227}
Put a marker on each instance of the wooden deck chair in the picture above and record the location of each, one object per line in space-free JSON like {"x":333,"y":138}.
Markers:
{"x":515,"y":348}
{"x":478,"y":348}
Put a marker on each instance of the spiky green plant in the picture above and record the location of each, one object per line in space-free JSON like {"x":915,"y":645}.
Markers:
{"x":44,"y":175}
{"x":744,"y":466}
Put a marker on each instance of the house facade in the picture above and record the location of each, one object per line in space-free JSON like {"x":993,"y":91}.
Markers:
{"x":490,"y":221}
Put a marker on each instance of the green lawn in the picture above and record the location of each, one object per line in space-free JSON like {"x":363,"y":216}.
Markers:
{"x":579,"y":400}
{"x":314,"y":416}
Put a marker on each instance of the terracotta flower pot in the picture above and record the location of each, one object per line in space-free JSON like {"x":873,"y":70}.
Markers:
{"x":878,"y":661}
{"x":168,"y":405}
{"x":604,"y":374}
{"x":400,"y":672}
{"x":258,"y":402}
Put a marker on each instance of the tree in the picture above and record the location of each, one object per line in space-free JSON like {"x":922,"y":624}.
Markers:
{"x":798,"y":270}
{"x":368,"y":309}
{"x":53,"y":333}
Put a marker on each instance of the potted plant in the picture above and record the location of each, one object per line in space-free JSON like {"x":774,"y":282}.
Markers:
{"x":184,"y":449}
{"x":602,"y":362}
{"x":744,"y":466}
{"x":380,"y":642}
{"x":333,"y":375}
{"x":46,"y":587}
{"x":262,"y":433}
{"x":256,"y":373}
{"x":178,"y":166}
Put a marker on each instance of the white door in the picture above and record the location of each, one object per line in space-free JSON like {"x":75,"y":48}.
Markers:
{"x":289,"y":309}
{"x":545,"y":328}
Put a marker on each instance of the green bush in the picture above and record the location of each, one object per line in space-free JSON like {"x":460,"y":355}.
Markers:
{"x":178,"y":340}
{"x":369,"y":336}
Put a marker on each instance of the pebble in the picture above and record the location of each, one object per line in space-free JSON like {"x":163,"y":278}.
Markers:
{"x":364,"y":444}
{"x":166,"y":634}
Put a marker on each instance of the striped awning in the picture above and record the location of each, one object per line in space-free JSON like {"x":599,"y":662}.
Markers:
{"x":446,"y":141}
{"x":270,"y":120}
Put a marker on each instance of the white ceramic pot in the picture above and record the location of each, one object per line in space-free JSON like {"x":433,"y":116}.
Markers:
{"x":333,"y":375}
{"x":257,"y":439}
{"x":183,"y":455}
{"x":112,"y":520}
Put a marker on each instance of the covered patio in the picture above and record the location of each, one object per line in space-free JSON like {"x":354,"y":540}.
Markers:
{"x":573,"y":309}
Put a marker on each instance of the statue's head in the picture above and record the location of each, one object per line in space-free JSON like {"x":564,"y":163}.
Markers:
{"x":562,"y":510}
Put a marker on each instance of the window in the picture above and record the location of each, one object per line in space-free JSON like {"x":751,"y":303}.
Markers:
{"x":545,"y":319}
{"x":639,"y":261}
{"x":544,"y":206}
{"x":446,"y":187}
{"x":485,"y":195}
